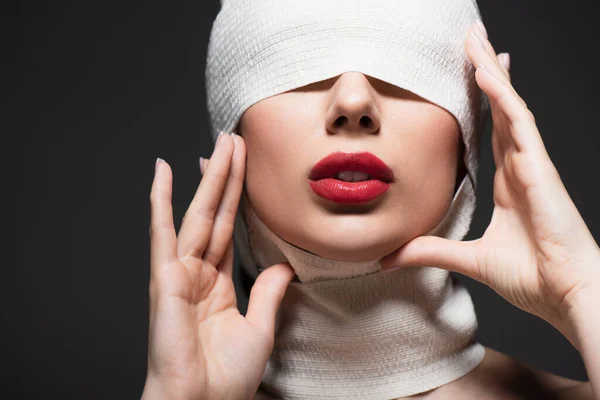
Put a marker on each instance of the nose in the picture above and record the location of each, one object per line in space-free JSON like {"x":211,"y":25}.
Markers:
{"x":353,"y":107}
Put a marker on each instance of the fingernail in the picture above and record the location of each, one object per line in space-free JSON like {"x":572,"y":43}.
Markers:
{"x":158,"y":161}
{"x":202,"y":165}
{"x":481,"y":27}
{"x":504,"y":59}
{"x":219,"y":137}
{"x":232,"y":133}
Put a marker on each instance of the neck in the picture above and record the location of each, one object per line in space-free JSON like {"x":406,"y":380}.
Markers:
{"x":377,"y":334}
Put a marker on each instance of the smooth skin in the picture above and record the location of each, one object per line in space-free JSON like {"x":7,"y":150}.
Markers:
{"x":201,"y":347}
{"x":537,"y":251}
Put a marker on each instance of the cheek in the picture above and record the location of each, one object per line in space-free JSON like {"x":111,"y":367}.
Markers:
{"x":266,"y":171}
{"x":437,"y":156}
{"x":264,"y":164}
{"x":274,"y":138}
{"x":428,"y":176}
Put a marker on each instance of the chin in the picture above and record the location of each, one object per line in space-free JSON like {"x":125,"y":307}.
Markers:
{"x":353,"y":244}
{"x":344,"y":252}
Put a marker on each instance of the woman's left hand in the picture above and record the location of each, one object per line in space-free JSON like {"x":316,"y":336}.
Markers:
{"x":537,"y":251}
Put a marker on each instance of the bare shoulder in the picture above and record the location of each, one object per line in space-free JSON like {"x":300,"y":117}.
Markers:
{"x":500,"y":376}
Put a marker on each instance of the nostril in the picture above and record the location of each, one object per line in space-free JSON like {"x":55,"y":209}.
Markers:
{"x":340,"y":121}
{"x":365,"y":121}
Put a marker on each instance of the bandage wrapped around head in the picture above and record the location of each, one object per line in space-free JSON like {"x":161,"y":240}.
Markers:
{"x":346,"y":329}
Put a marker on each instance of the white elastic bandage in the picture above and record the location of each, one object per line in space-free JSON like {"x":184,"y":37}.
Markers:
{"x":345,"y":330}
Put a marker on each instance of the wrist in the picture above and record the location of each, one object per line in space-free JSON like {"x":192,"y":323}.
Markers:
{"x":582,"y":310}
{"x":586,"y":325}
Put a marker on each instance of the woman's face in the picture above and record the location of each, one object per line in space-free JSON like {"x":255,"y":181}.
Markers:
{"x":287,"y":134}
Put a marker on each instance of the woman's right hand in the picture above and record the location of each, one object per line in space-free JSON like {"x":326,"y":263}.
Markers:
{"x":200,"y":346}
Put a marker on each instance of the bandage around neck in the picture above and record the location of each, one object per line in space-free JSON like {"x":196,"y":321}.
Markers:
{"x":349,"y":330}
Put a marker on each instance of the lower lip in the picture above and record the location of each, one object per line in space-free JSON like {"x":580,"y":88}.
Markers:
{"x":349,"y":192}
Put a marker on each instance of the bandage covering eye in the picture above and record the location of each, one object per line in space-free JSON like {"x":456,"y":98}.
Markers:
{"x":347,"y":329}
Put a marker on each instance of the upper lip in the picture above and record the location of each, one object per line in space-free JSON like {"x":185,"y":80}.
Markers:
{"x":359,"y":162}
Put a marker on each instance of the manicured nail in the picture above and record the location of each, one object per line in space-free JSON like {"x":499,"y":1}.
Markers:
{"x":504,"y":59}
{"x":221,"y":133}
{"x":481,"y":27}
{"x":232,"y":133}
{"x":202,"y":165}
{"x":158,"y":161}
{"x":477,"y":39}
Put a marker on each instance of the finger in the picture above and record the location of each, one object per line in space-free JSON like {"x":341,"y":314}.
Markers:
{"x":434,"y":251}
{"x":478,"y":50}
{"x":162,"y":231}
{"x":520,"y":127}
{"x":500,"y":142}
{"x":266,"y":295}
{"x":503,"y":97}
{"x":478,"y":53}
{"x":197,"y":224}
{"x":499,"y":59}
{"x":225,"y":216}
{"x":498,"y":149}
{"x":504,"y":59}
{"x":225,"y":265}
{"x":480,"y":28}
{"x":203,"y":164}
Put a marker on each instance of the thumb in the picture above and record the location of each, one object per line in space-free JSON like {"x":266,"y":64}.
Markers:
{"x":266,"y":295}
{"x":434,"y":251}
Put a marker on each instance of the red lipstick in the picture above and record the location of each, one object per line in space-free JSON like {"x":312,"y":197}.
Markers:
{"x":350,"y":177}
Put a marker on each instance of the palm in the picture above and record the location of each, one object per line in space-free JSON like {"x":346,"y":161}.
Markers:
{"x":537,"y":247}
{"x":523,"y":252}
{"x":235,"y":352}
{"x":510,"y":255}
{"x":206,"y":335}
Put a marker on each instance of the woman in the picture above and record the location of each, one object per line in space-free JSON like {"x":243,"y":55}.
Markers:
{"x":537,"y":252}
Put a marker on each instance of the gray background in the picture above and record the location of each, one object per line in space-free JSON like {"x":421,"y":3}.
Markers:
{"x":97,"y":90}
